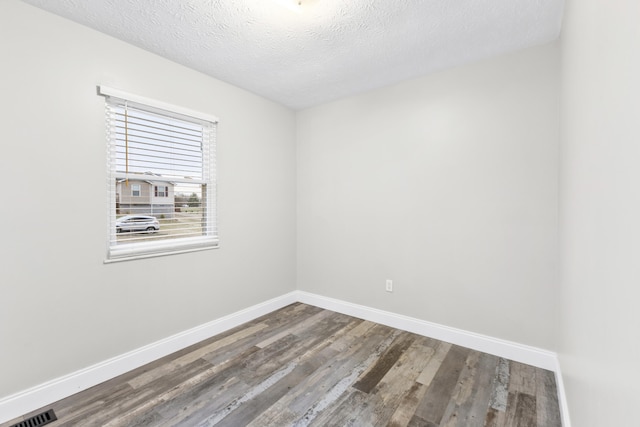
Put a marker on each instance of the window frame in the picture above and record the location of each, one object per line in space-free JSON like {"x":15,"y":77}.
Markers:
{"x":160,"y":193}
{"x":118,"y":251}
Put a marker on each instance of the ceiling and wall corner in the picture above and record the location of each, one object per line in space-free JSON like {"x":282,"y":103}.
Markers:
{"x":330,"y":50}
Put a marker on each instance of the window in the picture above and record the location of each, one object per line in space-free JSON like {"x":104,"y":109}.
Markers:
{"x":166,"y":156}
{"x":161,"y":191}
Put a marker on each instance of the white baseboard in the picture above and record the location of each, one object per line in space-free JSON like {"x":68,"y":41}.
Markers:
{"x":509,"y":350}
{"x":44,"y":394}
{"x":29,"y":400}
{"x":562,"y":397}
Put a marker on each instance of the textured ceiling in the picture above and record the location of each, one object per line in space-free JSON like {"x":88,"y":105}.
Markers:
{"x":329,"y":48}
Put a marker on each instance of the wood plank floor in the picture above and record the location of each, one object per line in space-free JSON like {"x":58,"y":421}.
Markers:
{"x":305,"y":366}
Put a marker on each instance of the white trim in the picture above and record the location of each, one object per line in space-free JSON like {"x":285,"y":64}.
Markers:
{"x":509,"y":350}
{"x":44,"y":394}
{"x":141,"y":250}
{"x":117,"y":93}
{"x":36,"y":397}
{"x":108,"y":260}
{"x":562,"y":397}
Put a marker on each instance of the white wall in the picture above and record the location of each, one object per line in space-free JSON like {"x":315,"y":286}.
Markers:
{"x":600,"y":211}
{"x":447,"y":185}
{"x":62,"y":309}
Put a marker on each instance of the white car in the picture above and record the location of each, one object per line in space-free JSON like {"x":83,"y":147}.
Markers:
{"x":137,"y":223}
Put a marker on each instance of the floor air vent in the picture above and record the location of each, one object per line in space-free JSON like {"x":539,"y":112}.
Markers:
{"x":41,"y":419}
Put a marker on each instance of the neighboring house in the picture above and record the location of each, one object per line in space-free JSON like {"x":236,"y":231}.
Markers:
{"x":145,"y":198}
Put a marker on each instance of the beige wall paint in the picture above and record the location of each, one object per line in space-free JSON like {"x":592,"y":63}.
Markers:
{"x":447,"y":185}
{"x":600,"y":211}
{"x":62,"y":308}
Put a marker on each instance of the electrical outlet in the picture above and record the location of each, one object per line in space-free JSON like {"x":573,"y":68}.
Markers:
{"x":389,"y":285}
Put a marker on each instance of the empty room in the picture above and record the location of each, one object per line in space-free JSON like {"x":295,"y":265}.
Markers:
{"x":320,"y":213}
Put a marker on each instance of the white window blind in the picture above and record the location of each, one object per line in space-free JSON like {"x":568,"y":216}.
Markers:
{"x":161,"y":183}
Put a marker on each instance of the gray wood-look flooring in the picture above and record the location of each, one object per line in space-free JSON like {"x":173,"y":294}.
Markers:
{"x":305,"y":366}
